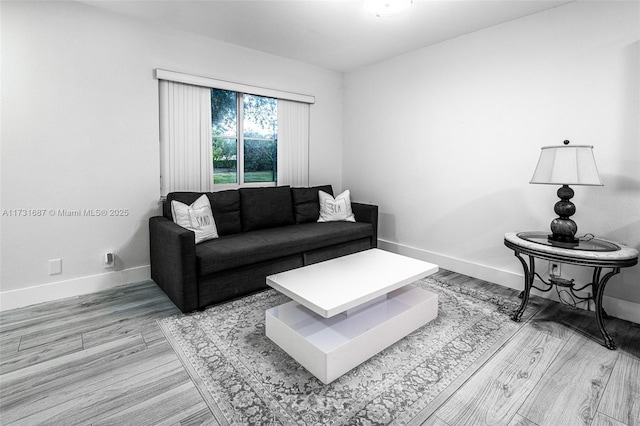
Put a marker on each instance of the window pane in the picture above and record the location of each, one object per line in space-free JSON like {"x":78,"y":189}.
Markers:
{"x":260,"y":117}
{"x":260,"y":160}
{"x":224,"y":113}
{"x":225,"y":160}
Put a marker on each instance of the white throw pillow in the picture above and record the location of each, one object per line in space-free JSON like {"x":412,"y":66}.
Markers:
{"x":335,"y":209}
{"x":197,"y":217}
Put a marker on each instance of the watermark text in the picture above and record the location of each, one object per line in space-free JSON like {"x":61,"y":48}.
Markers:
{"x":34,"y":212}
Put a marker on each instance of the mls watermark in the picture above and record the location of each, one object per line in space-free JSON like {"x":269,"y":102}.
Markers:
{"x":65,"y":212}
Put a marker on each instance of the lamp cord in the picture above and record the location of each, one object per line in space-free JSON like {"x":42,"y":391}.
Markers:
{"x":567,"y":299}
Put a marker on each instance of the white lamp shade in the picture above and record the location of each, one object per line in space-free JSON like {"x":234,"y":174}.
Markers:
{"x":567,"y":165}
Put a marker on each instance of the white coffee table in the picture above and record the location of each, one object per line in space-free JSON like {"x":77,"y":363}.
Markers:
{"x":347,"y":309}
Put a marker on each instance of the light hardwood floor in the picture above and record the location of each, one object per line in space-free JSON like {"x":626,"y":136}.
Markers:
{"x":102,"y":359}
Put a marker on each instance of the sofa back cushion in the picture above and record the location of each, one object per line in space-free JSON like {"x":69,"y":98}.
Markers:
{"x":306,"y":204}
{"x":266,"y":207}
{"x":226,"y":211}
{"x":225,"y":206}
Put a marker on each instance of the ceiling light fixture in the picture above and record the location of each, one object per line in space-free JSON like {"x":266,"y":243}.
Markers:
{"x":387,"y":7}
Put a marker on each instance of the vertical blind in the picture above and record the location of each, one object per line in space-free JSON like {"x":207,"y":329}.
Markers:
{"x":293,"y":143}
{"x":185,"y":138}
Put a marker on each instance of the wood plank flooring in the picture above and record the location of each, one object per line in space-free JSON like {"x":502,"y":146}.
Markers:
{"x":102,"y":359}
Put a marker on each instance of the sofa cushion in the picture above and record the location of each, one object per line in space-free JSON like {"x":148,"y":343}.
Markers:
{"x":335,"y":209}
{"x":266,"y":207}
{"x":196,"y":217}
{"x":224,"y":204}
{"x":238,"y":250}
{"x":306,"y":205}
{"x":226,"y":211}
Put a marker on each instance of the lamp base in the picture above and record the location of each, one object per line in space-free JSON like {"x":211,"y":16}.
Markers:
{"x":564,"y":229}
{"x":565,"y":240}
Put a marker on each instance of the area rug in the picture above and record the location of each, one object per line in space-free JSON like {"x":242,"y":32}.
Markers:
{"x":246,"y":379}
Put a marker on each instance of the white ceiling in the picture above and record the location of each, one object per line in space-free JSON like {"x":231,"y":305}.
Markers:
{"x":334,"y":34}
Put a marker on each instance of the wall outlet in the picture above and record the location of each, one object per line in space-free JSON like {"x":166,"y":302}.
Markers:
{"x":555,"y":269}
{"x":55,"y":266}
{"x":109,"y":259}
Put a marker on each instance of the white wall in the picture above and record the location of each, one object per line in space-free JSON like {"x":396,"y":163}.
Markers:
{"x":445,"y":139}
{"x":80,"y":131}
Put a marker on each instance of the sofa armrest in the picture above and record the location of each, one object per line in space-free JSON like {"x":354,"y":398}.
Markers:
{"x":367,"y":213}
{"x":173,"y":262}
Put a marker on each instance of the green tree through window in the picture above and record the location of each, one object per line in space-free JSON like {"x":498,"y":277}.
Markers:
{"x":247,"y":125}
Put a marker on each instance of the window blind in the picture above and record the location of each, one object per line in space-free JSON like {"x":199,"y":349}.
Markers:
{"x":293,"y":143}
{"x":185,"y":138}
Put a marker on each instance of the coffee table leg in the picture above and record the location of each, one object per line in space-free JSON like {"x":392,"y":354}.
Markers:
{"x":600,"y":313}
{"x":529,"y":274}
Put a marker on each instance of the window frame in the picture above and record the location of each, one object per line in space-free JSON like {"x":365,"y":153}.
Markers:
{"x":240,"y":148}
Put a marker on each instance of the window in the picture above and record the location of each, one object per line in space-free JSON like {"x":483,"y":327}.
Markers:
{"x":217,"y":134}
{"x":244,"y":131}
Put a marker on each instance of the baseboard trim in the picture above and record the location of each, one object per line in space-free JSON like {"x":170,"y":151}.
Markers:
{"x":74,"y":287}
{"x":623,"y":309}
{"x":13,"y":299}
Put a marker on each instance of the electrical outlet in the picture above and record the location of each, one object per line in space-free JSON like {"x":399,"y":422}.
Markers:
{"x":555,"y":269}
{"x":55,"y":266}
{"x":109,"y":259}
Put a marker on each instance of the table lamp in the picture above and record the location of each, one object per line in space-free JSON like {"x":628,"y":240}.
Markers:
{"x":566,"y":165}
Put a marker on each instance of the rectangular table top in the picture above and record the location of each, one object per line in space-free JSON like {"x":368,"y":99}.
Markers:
{"x":337,"y":285}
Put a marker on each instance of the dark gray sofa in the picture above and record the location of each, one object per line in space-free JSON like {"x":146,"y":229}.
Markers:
{"x":262,"y":231}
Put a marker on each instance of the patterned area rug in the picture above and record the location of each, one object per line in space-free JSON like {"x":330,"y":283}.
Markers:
{"x":246,"y":379}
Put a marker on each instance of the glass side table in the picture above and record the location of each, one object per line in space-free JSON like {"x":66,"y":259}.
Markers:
{"x":589,"y":252}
